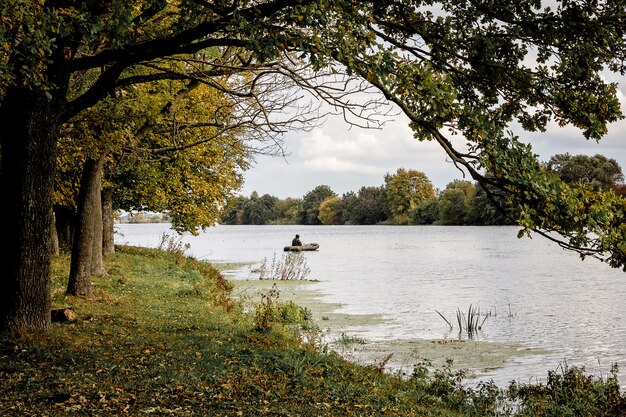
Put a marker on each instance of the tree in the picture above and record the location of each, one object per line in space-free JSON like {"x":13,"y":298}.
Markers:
{"x":406,"y":190}
{"x":233,"y":211}
{"x":286,"y":211}
{"x":348,"y":203}
{"x":258,"y":210}
{"x":426,"y":213}
{"x":311,"y":202}
{"x":597,"y":171}
{"x":484,"y":212}
{"x":170,"y":155}
{"x":471,"y":70}
{"x":330,"y":211}
{"x":467,"y":71}
{"x":370,"y":206}
{"x":455,"y":202}
{"x":46,"y":47}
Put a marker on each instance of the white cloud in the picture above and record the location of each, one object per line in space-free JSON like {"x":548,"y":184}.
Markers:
{"x":332,"y":164}
{"x":347,"y":158}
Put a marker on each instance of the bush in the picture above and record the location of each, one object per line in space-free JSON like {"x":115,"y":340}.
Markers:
{"x":571,"y":392}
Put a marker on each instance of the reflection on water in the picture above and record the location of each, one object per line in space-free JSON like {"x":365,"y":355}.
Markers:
{"x":537,"y":294}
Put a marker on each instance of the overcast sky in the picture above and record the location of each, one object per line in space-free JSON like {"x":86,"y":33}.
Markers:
{"x":347,"y":158}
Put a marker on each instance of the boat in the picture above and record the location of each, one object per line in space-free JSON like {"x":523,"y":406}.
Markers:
{"x":307,"y":246}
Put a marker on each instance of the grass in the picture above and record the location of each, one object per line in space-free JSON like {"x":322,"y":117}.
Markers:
{"x":161,"y":336}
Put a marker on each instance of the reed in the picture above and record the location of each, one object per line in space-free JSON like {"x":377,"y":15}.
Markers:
{"x":445,"y":319}
{"x":469,"y":323}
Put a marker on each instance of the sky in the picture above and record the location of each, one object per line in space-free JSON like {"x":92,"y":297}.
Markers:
{"x":347,"y":158}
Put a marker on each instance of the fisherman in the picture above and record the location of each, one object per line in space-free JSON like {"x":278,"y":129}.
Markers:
{"x":296,"y":241}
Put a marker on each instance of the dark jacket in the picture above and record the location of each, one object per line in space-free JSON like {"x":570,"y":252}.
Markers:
{"x":296,"y":242}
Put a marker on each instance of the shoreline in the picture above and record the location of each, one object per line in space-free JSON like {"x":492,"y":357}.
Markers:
{"x":340,"y":332}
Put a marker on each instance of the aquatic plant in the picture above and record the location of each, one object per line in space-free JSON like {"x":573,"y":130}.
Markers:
{"x":291,"y":266}
{"x":469,"y":323}
{"x":445,"y":319}
{"x":510,"y":314}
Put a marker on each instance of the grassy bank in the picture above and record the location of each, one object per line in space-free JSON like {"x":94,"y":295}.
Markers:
{"x":161,"y":336}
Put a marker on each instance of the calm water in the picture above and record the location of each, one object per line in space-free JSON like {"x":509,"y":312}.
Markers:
{"x":572,"y":308}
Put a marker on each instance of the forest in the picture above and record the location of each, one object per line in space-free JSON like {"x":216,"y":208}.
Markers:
{"x":408,"y":197}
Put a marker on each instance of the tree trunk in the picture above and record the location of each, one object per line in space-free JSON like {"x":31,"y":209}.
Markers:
{"x":29,"y":123}
{"x":65,"y":225}
{"x":108,"y":242}
{"x":97,"y":263}
{"x":54,"y":236}
{"x":82,"y":248}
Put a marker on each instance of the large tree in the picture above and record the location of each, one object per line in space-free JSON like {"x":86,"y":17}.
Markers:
{"x":455,"y":203}
{"x":405,"y":190}
{"x":46,"y":47}
{"x":330,"y":211}
{"x":311,"y":201}
{"x":369,"y":206}
{"x":460,"y":70}
{"x":598,"y":171}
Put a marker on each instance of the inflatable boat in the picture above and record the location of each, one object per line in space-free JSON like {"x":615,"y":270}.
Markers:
{"x":307,"y":246}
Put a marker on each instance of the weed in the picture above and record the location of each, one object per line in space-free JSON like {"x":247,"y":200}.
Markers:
{"x":270,"y":312}
{"x":263,"y":314}
{"x":446,"y":387}
{"x":173,"y":245}
{"x":570,"y":392}
{"x":291,"y":266}
{"x":346,"y":341}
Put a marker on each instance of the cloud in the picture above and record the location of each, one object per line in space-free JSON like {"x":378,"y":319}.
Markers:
{"x":332,"y":164}
{"x":346,"y":158}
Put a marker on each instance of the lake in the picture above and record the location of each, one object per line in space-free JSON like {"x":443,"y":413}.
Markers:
{"x":537,"y":294}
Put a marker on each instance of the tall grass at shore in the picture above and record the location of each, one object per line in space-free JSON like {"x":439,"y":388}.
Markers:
{"x":161,"y":336}
{"x":470,"y":323}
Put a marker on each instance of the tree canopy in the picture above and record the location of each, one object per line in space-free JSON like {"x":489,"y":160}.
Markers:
{"x":598,"y":171}
{"x":405,"y":190}
{"x":463,"y":71}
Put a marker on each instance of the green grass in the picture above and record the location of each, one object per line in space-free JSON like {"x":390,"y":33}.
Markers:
{"x":160,"y":336}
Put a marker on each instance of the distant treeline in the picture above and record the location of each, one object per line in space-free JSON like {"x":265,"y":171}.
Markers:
{"x":408,"y":197}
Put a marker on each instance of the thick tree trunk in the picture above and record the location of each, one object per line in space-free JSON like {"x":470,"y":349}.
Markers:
{"x":84,"y":234}
{"x":83,"y":245}
{"x":108,"y":242}
{"x":29,"y":124}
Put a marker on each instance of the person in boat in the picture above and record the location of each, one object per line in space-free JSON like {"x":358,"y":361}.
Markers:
{"x":296,"y":241}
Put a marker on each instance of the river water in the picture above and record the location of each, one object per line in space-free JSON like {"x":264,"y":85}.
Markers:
{"x":537,"y":294}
